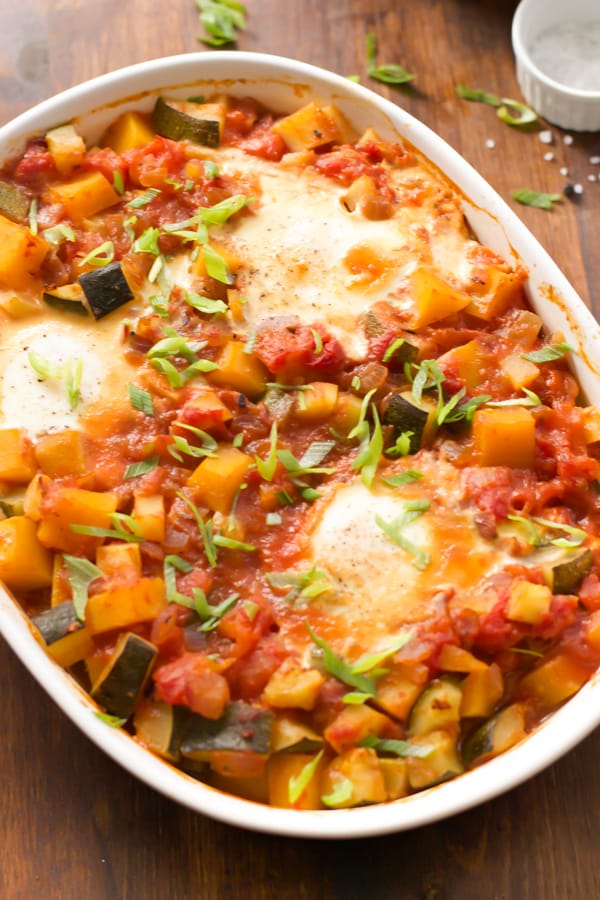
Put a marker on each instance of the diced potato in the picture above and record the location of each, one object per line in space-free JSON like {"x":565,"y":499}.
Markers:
{"x":346,"y":413}
{"x":312,"y":126}
{"x":456,"y":659}
{"x":21,"y":255}
{"x":433,"y":299}
{"x":231,"y":259}
{"x":73,"y":506}
{"x":72,"y":648}
{"x":481,"y":691}
{"x":293,"y":686}
{"x":17,"y":460}
{"x":555,"y":680}
{"x":504,"y":436}
{"x":468,"y":360}
{"x":528,"y":602}
{"x":291,"y":734}
{"x":62,"y":453}
{"x":493,"y":297}
{"x":520,"y":372}
{"x":218,"y":477}
{"x":149,"y":513}
{"x":395,"y":777}
{"x":121,"y":607}
{"x":130,"y":130}
{"x":121,"y":563}
{"x":84,"y":196}
{"x":61,"y":588}
{"x":353,"y":724}
{"x":398,"y":690}
{"x":255,"y":789}
{"x":240,"y":370}
{"x":591,"y":424}
{"x":362,"y":769}
{"x":592,"y":630}
{"x":24,"y":564}
{"x":362,"y":195}
{"x":66,"y":147}
{"x":281,"y":768}
{"x":317,"y":403}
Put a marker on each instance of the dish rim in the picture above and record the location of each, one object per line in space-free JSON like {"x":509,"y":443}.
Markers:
{"x":557,"y":734}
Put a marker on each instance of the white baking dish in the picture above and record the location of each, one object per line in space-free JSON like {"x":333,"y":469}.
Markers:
{"x":283,"y":85}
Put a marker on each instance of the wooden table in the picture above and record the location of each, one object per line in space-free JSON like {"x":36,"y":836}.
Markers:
{"x":73,"y":825}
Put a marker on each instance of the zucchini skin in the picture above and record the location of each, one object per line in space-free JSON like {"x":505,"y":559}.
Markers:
{"x":105,"y":289}
{"x":406,"y":416}
{"x":241,"y":727}
{"x":122,"y":681}
{"x":53,"y":624}
{"x":172,"y":123}
{"x":568,"y":575}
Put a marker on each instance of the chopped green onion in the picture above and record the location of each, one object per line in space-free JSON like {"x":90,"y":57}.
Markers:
{"x":81,"y":574}
{"x":402,"y":478}
{"x":318,"y":348}
{"x":298,"y":783}
{"x":211,"y":169}
{"x":371,"y":660}
{"x":100,"y":256}
{"x":118,"y":184}
{"x":140,"y":399}
{"x":530,"y":399}
{"x":334,"y":665}
{"x":308,"y":585}
{"x":205,"y":529}
{"x":476,"y":95}
{"x":370,"y":450}
{"x":393,"y":347}
{"x":538,"y":199}
{"x":398,"y":748}
{"x":58,"y":233}
{"x":222,"y":19}
{"x":392,"y":530}
{"x":205,"y":304}
{"x":33,"y":210}
{"x":266,"y":467}
{"x":144,"y":199}
{"x":111,"y":721}
{"x":549,"y":353}
{"x":401,"y":446}
{"x":147,"y":242}
{"x":390,"y":73}
{"x":143,"y":467}
{"x":341,"y":793}
{"x":216,"y":267}
{"x":525,"y":114}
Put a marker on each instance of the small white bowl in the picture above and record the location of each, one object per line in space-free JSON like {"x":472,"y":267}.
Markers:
{"x":284,"y":85}
{"x":549,"y":86}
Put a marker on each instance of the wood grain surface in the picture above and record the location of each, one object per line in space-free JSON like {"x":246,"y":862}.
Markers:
{"x":73,"y":825}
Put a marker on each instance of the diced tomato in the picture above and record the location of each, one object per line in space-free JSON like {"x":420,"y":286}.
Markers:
{"x":263,"y":142}
{"x":105,"y":160}
{"x":149,"y":166}
{"x":286,"y":348}
{"x":35,"y":162}
{"x":190,"y":681}
{"x":248,"y":676}
{"x":589,"y":592}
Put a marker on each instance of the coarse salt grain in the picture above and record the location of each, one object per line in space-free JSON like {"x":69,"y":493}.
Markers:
{"x":592,"y":177}
{"x":595,"y":160}
{"x":568,"y":139}
{"x":546,"y":137}
{"x":563,"y":170}
{"x":549,"y":156}
{"x":490,"y":143}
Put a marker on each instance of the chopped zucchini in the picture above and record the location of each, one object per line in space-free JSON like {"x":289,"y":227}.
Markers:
{"x":441,"y":763}
{"x":66,"y":298}
{"x":53,"y":624}
{"x":179,"y":122}
{"x":407,"y":416}
{"x":291,"y":736}
{"x":566,"y":576}
{"x":438,"y":706}
{"x":496,"y":735}
{"x":121,"y":682}
{"x":159,"y":726}
{"x":241,"y":727}
{"x":105,"y":289}
{"x":14,"y":203}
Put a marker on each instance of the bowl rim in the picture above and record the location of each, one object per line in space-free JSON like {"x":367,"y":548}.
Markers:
{"x":523,"y":54}
{"x":553,"y":738}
